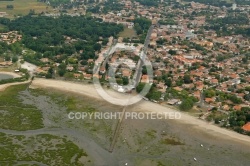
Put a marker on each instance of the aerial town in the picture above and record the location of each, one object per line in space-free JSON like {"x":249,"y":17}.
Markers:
{"x":199,"y":53}
{"x":173,"y":76}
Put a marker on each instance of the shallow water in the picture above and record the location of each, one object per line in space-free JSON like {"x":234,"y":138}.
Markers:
{"x":5,"y":76}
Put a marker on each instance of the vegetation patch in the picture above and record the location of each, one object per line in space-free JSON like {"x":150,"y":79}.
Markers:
{"x":171,"y":141}
{"x":15,"y":115}
{"x":18,"y":7}
{"x":44,"y":148}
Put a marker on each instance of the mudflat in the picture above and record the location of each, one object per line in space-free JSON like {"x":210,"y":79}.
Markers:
{"x":154,"y":142}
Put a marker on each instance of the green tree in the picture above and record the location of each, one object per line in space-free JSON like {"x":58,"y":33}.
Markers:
{"x":14,"y":59}
{"x":154,"y":95}
{"x":62,"y":69}
{"x":247,"y":97}
{"x":139,"y":87}
{"x":7,"y":58}
{"x":168,"y":82}
{"x":187,"y":79}
{"x":186,"y":105}
{"x":97,"y":47}
{"x":125,"y":80}
{"x":68,"y":75}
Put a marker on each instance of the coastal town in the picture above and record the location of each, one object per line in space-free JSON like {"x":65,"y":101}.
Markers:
{"x":198,"y":63}
{"x":124,"y":82}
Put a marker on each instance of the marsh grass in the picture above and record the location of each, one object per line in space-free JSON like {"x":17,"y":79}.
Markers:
{"x":15,"y":115}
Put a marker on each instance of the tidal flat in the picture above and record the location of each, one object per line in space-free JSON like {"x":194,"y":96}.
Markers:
{"x":36,"y":120}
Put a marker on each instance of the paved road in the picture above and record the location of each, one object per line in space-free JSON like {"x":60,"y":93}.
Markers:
{"x":143,"y":55}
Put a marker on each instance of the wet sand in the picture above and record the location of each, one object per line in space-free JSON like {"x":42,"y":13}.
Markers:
{"x":143,"y":106}
{"x":140,"y":142}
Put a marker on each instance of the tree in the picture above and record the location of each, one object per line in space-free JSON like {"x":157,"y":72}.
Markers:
{"x":14,"y":59}
{"x":68,"y":75}
{"x":235,"y":99}
{"x":97,"y":47}
{"x":7,"y":58}
{"x":179,"y":82}
{"x":154,"y":95}
{"x":10,"y":7}
{"x":48,"y":75}
{"x":125,"y":80}
{"x":141,"y":25}
{"x":168,"y":82}
{"x":186,"y":105}
{"x":62,"y":69}
{"x":209,"y":93}
{"x":61,"y":72}
{"x":84,"y":62}
{"x":247,"y":97}
{"x":139,"y":87}
{"x":119,"y":81}
{"x":172,"y":52}
{"x":144,"y":70}
{"x":47,"y":34}
{"x":187,"y":79}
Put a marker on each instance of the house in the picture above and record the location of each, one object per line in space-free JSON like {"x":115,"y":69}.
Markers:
{"x":126,"y":73}
{"x":157,"y":73}
{"x":237,"y":107}
{"x":90,"y":60}
{"x":3,"y":14}
{"x":197,"y":94}
{"x":246,"y":127}
{"x":70,"y":68}
{"x":161,"y":87}
{"x":39,"y":70}
{"x":173,"y":101}
{"x":44,"y":60}
{"x":214,"y":81}
{"x":145,"y":79}
{"x":178,"y":89}
{"x":190,"y":35}
{"x":187,"y":86}
{"x":6,"y":63}
{"x":130,"y":25}
{"x":87,"y":76}
{"x":102,"y":70}
{"x":77,"y":75}
{"x":209,"y":100}
{"x":225,"y":107}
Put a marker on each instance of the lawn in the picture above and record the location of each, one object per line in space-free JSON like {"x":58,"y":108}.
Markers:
{"x":127,"y":32}
{"x":22,"y":7}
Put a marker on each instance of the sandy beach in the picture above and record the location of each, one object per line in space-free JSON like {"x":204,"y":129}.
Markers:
{"x":4,"y":86}
{"x":89,"y":90}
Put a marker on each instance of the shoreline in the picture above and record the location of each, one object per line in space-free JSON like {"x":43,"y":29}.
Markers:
{"x":4,"y":86}
{"x":14,"y":75}
{"x":142,"y":106}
